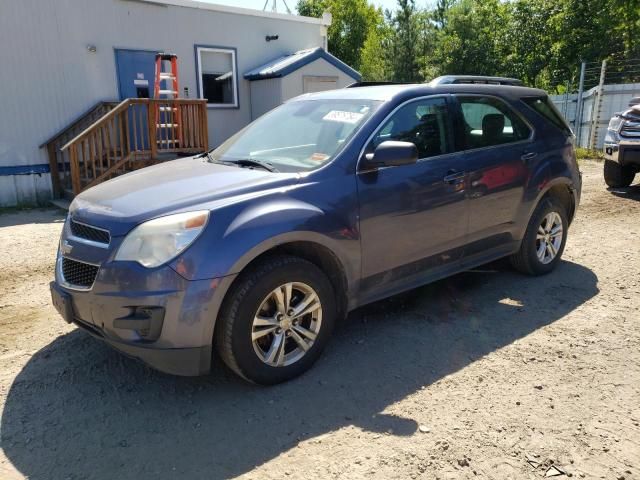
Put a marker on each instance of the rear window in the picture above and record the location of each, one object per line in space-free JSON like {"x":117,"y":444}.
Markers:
{"x":544,"y":107}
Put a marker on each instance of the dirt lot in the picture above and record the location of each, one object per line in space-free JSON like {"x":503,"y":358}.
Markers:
{"x":488,"y":374}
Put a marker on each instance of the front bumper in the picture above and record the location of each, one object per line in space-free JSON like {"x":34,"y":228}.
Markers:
{"x":155,"y":315}
{"x":190,"y":361}
{"x":176,"y":337}
{"x":623,"y":152}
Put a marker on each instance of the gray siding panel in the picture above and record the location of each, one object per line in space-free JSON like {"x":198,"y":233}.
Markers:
{"x":49,"y":77}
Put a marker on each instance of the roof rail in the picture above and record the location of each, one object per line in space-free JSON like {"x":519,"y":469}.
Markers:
{"x":477,"y":79}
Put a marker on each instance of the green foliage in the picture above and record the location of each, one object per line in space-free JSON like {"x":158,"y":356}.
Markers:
{"x":351,"y":24}
{"x":405,"y":42}
{"x":541,"y":42}
{"x":586,"y":153}
{"x":474,"y":38}
{"x":374,"y":62}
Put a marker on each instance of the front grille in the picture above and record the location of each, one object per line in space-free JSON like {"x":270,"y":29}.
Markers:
{"x":79,"y":274}
{"x":87,"y":232}
{"x":630,"y":128}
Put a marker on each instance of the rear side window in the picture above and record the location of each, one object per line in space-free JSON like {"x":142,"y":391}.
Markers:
{"x":422,"y":122}
{"x":544,"y":107}
{"x":489,"y":121}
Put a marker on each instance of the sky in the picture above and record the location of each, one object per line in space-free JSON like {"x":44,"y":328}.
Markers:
{"x":259,"y":4}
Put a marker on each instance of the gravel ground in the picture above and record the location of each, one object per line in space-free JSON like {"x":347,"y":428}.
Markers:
{"x":488,"y":374}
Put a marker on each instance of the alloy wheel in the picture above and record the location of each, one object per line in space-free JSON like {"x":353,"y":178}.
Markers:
{"x":286,"y":324}
{"x":549,"y":237}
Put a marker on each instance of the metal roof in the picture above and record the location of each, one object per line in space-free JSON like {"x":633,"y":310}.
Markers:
{"x":237,"y":10}
{"x":286,"y":64}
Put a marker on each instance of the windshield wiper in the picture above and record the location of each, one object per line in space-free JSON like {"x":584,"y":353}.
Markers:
{"x":250,"y":162}
{"x":242,"y":162}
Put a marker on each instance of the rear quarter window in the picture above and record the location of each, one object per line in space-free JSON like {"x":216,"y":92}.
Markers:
{"x":544,"y":107}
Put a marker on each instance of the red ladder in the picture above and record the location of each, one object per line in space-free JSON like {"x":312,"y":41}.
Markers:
{"x":169,"y":117}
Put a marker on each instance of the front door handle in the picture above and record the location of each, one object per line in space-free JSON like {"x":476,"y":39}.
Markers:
{"x":454,"y":177}
{"x":529,"y":156}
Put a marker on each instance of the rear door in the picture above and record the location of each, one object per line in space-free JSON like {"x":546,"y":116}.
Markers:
{"x":412,"y":217}
{"x":498,"y":147}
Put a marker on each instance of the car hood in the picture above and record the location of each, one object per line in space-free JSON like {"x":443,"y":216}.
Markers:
{"x":173,"y":186}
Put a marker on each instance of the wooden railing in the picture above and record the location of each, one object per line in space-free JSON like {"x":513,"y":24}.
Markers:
{"x":60,"y":172}
{"x":136,"y":133}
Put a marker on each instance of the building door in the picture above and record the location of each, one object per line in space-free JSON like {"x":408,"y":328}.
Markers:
{"x":136,"y":72}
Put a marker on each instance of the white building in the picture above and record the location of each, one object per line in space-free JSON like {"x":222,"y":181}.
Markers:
{"x":59,"y":59}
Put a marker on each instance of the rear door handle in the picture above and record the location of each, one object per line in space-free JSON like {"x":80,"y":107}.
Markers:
{"x":454,"y":177}
{"x":529,"y":156}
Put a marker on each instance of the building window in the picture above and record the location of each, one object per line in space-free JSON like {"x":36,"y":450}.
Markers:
{"x":217,"y":74}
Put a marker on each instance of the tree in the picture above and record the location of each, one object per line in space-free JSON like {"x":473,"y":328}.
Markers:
{"x":311,"y":8}
{"x":405,"y":42}
{"x":473,"y":39}
{"x":531,"y":38}
{"x":375,"y":60}
{"x":352,"y":21}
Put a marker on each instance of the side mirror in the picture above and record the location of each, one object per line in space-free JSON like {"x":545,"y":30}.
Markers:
{"x":391,"y":154}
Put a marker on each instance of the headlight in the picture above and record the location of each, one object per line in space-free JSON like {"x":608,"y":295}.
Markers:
{"x":159,"y":240}
{"x":614,"y":123}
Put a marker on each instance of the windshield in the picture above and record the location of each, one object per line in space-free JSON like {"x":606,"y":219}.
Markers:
{"x":297,"y":136}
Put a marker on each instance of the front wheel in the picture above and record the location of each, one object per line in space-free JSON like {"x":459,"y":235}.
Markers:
{"x":616,"y":175}
{"x":276,"y":320}
{"x":544,"y":240}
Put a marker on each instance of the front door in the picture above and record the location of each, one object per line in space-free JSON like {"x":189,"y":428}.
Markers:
{"x":413,"y":218}
{"x":497,"y":144}
{"x":136,"y":72}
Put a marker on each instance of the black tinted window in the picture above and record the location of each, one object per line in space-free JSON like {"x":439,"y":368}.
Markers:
{"x":545,"y":108}
{"x":489,"y":121}
{"x":423,"y":123}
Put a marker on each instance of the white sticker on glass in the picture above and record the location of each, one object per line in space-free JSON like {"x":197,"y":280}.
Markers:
{"x":343,"y":117}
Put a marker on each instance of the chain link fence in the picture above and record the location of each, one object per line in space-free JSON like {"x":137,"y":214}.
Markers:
{"x":603,"y":89}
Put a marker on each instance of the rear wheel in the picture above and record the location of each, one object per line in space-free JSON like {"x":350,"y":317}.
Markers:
{"x":616,"y":175}
{"x":544,"y":240}
{"x":276,"y":320}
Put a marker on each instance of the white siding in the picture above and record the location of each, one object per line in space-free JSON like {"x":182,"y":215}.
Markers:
{"x":49,"y":77}
{"x":265,"y":95}
{"x":293,"y":84}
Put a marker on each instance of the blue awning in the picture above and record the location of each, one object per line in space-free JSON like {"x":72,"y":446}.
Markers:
{"x":286,"y":64}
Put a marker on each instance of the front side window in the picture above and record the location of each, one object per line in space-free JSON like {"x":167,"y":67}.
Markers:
{"x":217,"y":76}
{"x":489,"y":121}
{"x":299,"y":135}
{"x":423,"y":123}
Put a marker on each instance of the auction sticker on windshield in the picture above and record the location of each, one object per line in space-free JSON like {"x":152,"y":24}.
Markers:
{"x":343,"y":117}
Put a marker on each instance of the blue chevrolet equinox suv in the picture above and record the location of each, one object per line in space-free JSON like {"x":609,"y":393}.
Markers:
{"x":331,"y":201}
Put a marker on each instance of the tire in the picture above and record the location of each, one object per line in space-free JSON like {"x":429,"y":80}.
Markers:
{"x":527,"y":259}
{"x":616,"y":175}
{"x":255,"y":292}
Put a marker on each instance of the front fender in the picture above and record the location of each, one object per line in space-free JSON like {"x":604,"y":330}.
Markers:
{"x":240,"y":233}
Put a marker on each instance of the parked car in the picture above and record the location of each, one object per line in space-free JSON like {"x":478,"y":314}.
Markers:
{"x":331,"y":201}
{"x":622,"y":146}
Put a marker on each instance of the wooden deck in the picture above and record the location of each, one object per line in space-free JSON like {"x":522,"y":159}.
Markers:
{"x":135,"y":133}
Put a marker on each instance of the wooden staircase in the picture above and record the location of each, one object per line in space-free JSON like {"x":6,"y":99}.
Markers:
{"x":129,"y":135}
